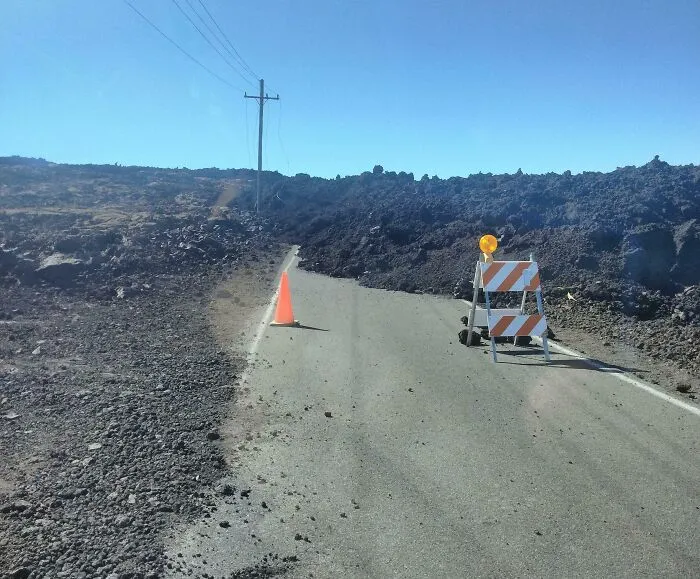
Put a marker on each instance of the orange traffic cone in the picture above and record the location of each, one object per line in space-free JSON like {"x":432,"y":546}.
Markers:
{"x":283,"y":314}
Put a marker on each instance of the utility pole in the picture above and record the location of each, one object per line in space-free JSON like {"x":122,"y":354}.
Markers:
{"x":261,"y":102}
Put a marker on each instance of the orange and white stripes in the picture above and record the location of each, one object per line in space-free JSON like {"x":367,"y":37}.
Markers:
{"x":523,"y":325}
{"x":510,"y":276}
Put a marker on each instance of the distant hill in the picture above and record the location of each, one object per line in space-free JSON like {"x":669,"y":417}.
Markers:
{"x":23,"y":161}
{"x":630,"y":237}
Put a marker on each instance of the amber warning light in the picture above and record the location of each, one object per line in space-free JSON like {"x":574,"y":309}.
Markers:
{"x":488,"y":244}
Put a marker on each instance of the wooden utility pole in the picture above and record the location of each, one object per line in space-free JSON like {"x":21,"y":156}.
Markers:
{"x":261,"y":102}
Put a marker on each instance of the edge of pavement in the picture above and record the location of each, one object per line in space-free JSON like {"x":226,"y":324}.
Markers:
{"x":253,"y":346}
{"x":615,"y":371}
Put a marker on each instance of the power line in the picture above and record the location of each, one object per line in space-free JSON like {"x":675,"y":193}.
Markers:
{"x":272,"y":89}
{"x":218,"y":39}
{"x":192,"y":22}
{"x":240,"y":58}
{"x":279,"y":136}
{"x":176,"y":45}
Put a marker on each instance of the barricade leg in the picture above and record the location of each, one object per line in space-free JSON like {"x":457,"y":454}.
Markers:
{"x":540,"y":310}
{"x":545,"y":346}
{"x":488,"y":317}
{"x":522,"y":311}
{"x":472,"y":313}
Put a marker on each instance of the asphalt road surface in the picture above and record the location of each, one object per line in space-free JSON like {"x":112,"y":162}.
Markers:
{"x":381,"y":447}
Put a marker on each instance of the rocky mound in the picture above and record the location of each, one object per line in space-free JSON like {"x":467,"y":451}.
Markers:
{"x":639,"y":226}
{"x":108,"y":230}
{"x":625,"y":242}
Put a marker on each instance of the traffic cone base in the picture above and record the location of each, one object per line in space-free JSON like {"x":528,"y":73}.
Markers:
{"x":284,"y":316}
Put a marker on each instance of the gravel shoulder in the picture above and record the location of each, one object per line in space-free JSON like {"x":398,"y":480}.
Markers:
{"x":652,"y":351}
{"x":664,"y":375}
{"x":109,"y":419}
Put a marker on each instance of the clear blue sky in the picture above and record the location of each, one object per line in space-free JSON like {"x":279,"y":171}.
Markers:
{"x":446,"y":87}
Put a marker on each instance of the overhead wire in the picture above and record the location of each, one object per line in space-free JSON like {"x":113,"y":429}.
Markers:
{"x":240,"y":59}
{"x":221,"y":43}
{"x":279,"y":135}
{"x":233,"y":53}
{"x":187,"y":54}
{"x":192,"y":22}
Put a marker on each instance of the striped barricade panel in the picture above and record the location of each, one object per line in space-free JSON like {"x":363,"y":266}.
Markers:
{"x":520,"y":325}
{"x":510,"y":276}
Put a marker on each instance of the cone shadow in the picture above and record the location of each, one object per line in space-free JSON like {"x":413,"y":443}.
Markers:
{"x":303,"y":327}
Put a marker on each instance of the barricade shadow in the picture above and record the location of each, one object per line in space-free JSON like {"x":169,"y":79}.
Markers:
{"x":575,"y":363}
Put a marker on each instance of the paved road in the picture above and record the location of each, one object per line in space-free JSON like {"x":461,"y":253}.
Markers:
{"x":436,"y":462}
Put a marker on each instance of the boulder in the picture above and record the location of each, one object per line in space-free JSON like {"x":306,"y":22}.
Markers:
{"x":7,"y":260}
{"x":70,"y":244}
{"x":60,"y":269}
{"x":25,"y":271}
{"x":463,"y":335}
{"x":19,"y":268}
{"x":603,"y":238}
{"x":686,"y":269}
{"x":587,"y":261}
{"x":648,"y":254}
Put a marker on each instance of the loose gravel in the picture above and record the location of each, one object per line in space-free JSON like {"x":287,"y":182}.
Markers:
{"x":109,"y":427}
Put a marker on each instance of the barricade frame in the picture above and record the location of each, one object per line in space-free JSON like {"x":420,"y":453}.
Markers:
{"x":478,"y":284}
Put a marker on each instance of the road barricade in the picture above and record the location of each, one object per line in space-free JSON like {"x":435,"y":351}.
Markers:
{"x":508,"y":276}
